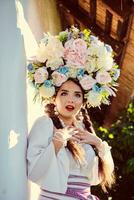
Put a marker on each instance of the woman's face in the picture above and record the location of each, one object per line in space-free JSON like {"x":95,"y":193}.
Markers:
{"x":69,"y":99}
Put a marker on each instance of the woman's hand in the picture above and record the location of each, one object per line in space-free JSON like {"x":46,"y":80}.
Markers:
{"x":61,"y":136}
{"x":83,"y":136}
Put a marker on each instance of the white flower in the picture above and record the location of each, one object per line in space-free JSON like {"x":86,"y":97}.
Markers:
{"x":47,"y":92}
{"x":87,"y":82}
{"x":90,"y":65}
{"x":40,"y":75}
{"x":53,"y":49}
{"x":103,"y":57}
{"x":93,"y":50}
{"x":58,"y":78}
{"x":105,"y":62}
{"x":93,"y":98}
{"x":103,"y":77}
{"x":54,"y":63}
{"x":108,"y":90}
{"x":72,"y":72}
{"x":75,"y":53}
{"x":41,"y":54}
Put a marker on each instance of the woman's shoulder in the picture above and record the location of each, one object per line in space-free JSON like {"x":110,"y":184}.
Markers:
{"x":42,"y":124}
{"x":44,"y":119}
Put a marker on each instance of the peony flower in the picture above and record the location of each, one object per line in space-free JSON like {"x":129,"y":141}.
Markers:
{"x":53,"y":49}
{"x":87,"y":82}
{"x":47,"y":92}
{"x":58,"y":78}
{"x":103,"y":77}
{"x":40,"y":75}
{"x":75,"y":53}
{"x":93,"y":98}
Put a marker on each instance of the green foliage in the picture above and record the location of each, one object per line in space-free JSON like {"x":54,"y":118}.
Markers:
{"x":121,"y":138}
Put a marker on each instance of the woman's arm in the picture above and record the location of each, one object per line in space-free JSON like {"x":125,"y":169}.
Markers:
{"x":43,"y":163}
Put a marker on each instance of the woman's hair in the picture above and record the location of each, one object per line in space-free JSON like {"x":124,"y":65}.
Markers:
{"x":107,"y":178}
{"x":75,"y":149}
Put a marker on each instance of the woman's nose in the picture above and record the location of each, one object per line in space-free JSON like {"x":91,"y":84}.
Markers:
{"x":71,"y":99}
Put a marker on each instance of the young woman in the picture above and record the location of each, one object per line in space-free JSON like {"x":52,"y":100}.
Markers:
{"x":65,"y":156}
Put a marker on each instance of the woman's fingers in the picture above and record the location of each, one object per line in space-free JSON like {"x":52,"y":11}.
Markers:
{"x":75,"y":139}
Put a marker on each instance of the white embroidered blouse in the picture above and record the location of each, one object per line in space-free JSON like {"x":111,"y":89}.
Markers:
{"x":51,"y":171}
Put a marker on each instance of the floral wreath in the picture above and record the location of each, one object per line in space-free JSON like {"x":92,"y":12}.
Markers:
{"x":74,"y":54}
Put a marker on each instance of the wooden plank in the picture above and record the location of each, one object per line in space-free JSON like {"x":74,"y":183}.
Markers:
{"x":86,"y":20}
{"x":84,"y":4}
{"x":122,"y":7}
{"x":93,"y":5}
{"x":122,"y":29}
{"x":108,"y":22}
{"x":101,"y":13}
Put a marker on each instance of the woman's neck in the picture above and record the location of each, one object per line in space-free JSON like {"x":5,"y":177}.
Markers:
{"x":67,"y":121}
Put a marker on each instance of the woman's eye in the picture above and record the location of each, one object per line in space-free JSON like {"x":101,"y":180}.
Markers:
{"x":63,"y":93}
{"x":78,"y":95}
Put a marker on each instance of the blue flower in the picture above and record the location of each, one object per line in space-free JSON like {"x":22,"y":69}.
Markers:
{"x":96,"y":88}
{"x":30,"y":67}
{"x":63,"y":70}
{"x":81,"y":35}
{"x":47,"y":83}
{"x":108,"y":48}
{"x":69,"y":36}
{"x":92,"y":38}
{"x":116,"y":74}
{"x":80,"y":72}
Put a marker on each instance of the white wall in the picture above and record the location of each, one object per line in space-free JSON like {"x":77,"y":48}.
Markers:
{"x":13,"y":111}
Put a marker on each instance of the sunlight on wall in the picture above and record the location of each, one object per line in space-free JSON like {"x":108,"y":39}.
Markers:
{"x":34,"y":109}
{"x":12,"y":139}
{"x":29,"y":39}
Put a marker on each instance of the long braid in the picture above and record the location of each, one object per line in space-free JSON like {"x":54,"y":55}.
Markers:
{"x":73,"y":147}
{"x":107,"y":178}
{"x":49,"y":109}
{"x":86,"y":120}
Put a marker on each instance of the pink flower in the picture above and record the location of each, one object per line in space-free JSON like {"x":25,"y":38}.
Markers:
{"x":58,"y":78}
{"x":103,"y":77}
{"x":75,"y":52}
{"x":40,"y":75}
{"x":87,"y":82}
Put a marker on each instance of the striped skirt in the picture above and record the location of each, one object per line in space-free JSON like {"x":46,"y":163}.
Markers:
{"x":78,"y":188}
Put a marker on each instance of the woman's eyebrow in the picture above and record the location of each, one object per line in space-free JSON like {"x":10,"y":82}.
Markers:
{"x":63,"y":90}
{"x":78,"y":92}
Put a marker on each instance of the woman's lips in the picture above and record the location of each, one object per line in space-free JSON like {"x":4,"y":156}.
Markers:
{"x":69,"y":108}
